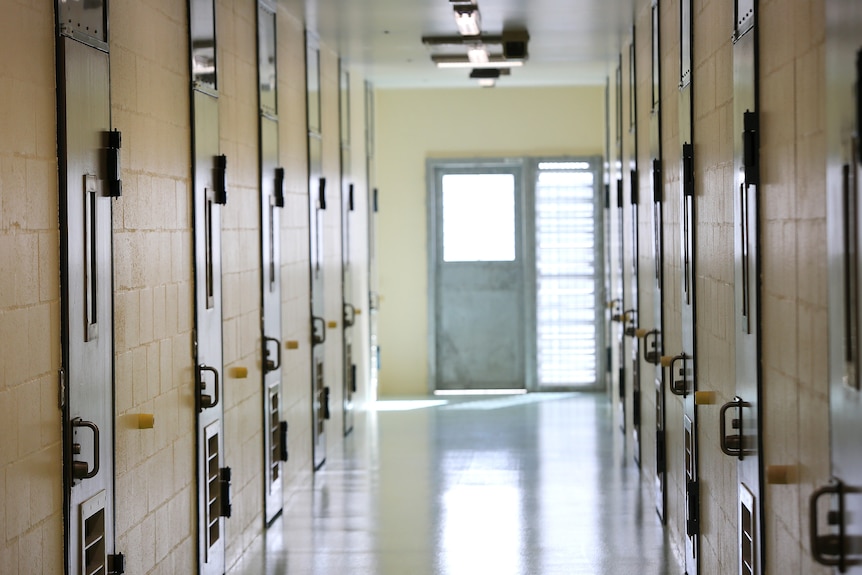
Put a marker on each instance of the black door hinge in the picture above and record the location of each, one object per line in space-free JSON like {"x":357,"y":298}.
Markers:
{"x":224,"y":485}
{"x":116,"y":564}
{"x":692,"y":495}
{"x":282,"y":440}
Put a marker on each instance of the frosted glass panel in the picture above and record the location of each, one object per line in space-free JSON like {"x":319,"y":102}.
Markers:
{"x":478,"y":217}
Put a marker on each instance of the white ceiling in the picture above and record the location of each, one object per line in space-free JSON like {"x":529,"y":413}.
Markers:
{"x":571,"y":41}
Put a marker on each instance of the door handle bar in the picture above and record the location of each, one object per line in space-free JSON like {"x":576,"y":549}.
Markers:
{"x":318,"y":338}
{"x":79,"y":468}
{"x":677,"y":386}
{"x":828,"y":549}
{"x":732,"y":445}
{"x":206,"y":400}
{"x":268,"y":364}
{"x":349,"y":315}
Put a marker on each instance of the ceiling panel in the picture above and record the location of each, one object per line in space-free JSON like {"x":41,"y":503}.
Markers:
{"x":571,"y":41}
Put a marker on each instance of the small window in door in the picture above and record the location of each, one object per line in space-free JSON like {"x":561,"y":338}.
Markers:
{"x":478,"y":217}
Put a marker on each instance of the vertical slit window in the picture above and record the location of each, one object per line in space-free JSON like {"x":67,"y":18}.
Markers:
{"x":566,"y":274}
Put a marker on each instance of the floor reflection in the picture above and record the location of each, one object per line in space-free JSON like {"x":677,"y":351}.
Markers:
{"x":517,"y":485}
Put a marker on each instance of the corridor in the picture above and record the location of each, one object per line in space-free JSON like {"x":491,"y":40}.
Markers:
{"x":534,"y":484}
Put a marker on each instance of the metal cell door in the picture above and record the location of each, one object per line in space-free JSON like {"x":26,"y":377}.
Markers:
{"x":682,"y":374}
{"x":316,"y":205}
{"x":89,"y":176}
{"x":347,"y":300}
{"x":479,"y":335}
{"x":634,"y":313}
{"x":740,"y":418}
{"x":836,"y":509}
{"x":653,"y":348}
{"x":373,"y":296}
{"x":271,"y":204}
{"x":209,"y":194}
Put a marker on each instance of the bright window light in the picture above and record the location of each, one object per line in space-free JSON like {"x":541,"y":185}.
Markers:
{"x":478,"y":217}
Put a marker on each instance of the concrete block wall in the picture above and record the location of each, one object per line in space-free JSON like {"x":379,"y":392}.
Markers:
{"x":153,"y":280}
{"x":793,"y":252}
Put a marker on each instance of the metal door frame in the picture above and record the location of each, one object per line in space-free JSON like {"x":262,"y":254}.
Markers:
{"x":348,"y":315}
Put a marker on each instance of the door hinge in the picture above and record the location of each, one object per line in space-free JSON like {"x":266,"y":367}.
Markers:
{"x":633,"y":182}
{"x":224,"y":484}
{"x":115,"y":183}
{"x":220,"y":179}
{"x":687,"y":170}
{"x":61,"y":388}
{"x":692,"y":495}
{"x":279,"y":188}
{"x":656,"y":181}
{"x":326,"y":413}
{"x":659,"y":452}
{"x":116,"y":564}
{"x":619,"y":192}
{"x":321,"y":194}
{"x":750,"y":148}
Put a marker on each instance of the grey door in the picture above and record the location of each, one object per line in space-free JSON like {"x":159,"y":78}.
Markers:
{"x":316,"y":206}
{"x":836,"y":509}
{"x":347,"y":296}
{"x":271,"y":204}
{"x":653,"y":348}
{"x":88,"y":165}
{"x":209,"y":194}
{"x":740,"y":418}
{"x":373,"y":297}
{"x":682,"y":378}
{"x":479,"y":337}
{"x":634,"y":277}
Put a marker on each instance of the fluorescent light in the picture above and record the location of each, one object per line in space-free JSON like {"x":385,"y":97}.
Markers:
{"x":467,"y":21}
{"x":487,"y":82}
{"x":478,"y":55}
{"x":468,"y":64}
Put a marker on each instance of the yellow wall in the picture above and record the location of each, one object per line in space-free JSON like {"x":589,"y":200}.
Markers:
{"x":414,"y":125}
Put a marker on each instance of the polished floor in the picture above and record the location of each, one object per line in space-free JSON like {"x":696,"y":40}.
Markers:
{"x":518,"y":485}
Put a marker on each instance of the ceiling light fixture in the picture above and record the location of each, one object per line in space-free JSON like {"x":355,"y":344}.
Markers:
{"x":461,"y":62}
{"x":467,"y":20}
{"x":478,"y":55}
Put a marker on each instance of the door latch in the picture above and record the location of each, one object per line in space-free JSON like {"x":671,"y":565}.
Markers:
{"x":318,"y":336}
{"x":349,"y":315}
{"x":268,"y":364}
{"x":651,"y":352}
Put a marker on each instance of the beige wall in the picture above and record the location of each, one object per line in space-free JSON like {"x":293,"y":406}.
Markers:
{"x":31,"y":495}
{"x":414,"y":125}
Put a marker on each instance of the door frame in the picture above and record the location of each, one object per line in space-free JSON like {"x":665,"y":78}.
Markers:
{"x":528,"y":169}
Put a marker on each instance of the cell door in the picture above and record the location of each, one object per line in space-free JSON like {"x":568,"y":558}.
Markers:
{"x":653,"y":347}
{"x":479,"y":335}
{"x":316,"y":206}
{"x":620,"y":315}
{"x":836,"y":509}
{"x":634,"y":314}
{"x":682,"y":375}
{"x":740,"y":418}
{"x":347,"y":298}
{"x":271,"y":204}
{"x":88,"y":157}
{"x":209,"y":194}
{"x":373,"y":297}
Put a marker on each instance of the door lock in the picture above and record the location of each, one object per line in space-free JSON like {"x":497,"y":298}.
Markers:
{"x":650,"y":337}
{"x":79,"y":468}
{"x":349,"y":315}
{"x":318,"y":336}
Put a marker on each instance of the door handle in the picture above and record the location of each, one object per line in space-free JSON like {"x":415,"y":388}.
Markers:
{"x":677,"y":386}
{"x":206,"y":400}
{"x":650,"y":338}
{"x":79,"y":468}
{"x":732,"y":445}
{"x":828,"y":549}
{"x":318,"y":337}
{"x":268,"y":364}
{"x":628,"y":318}
{"x":349,"y":315}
